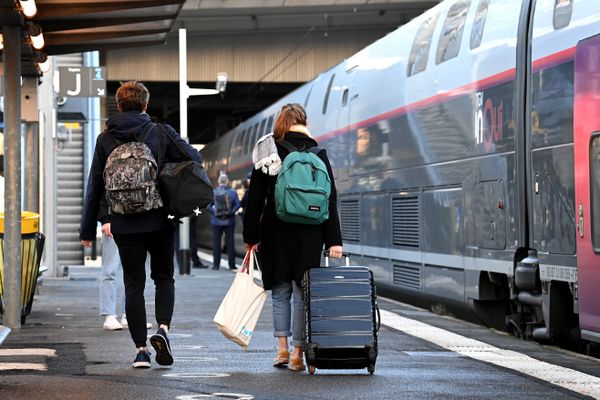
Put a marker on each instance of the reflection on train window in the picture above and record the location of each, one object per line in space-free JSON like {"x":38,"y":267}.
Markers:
{"x":417,"y":61}
{"x":595,"y":190}
{"x":326,"y":100}
{"x":249,"y":135}
{"x":479,"y":23}
{"x":563,"y":10}
{"x":269,"y":125}
{"x":371,"y":146}
{"x":451,"y":36}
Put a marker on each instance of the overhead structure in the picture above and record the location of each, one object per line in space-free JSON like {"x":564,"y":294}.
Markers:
{"x":79,"y":26}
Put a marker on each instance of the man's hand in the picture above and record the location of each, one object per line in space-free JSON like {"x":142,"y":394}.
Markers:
{"x":86,"y":243}
{"x":106,"y":230}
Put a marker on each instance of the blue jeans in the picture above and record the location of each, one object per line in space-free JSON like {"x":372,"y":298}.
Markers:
{"x":218,"y":231}
{"x":288,"y":321}
{"x":112,"y":289}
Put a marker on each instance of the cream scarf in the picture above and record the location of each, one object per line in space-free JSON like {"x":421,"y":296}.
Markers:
{"x":264,"y":154}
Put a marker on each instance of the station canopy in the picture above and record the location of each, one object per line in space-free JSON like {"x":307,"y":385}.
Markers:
{"x":75,"y":26}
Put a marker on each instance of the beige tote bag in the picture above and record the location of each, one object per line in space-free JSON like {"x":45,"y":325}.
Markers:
{"x":239,"y":311}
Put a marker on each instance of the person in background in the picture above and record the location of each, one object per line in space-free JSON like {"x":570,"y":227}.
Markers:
{"x":244,"y":200}
{"x":222,"y":209}
{"x":286,"y":250}
{"x":112,"y":291}
{"x":139,"y":233}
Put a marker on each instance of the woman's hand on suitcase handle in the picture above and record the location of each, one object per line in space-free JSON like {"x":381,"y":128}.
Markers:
{"x":336,"y":251}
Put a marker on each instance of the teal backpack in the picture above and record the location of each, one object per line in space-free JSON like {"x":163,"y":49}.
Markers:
{"x":303,"y":187}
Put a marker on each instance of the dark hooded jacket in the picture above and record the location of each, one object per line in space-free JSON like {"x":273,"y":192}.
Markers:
{"x":287,"y":250}
{"x":125,"y":127}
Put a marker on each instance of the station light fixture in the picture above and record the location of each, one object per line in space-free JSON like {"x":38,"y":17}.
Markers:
{"x":29,"y":8}
{"x":221,"y":82}
{"x":36,"y":36}
{"x":1,"y":41}
{"x":43,"y":63}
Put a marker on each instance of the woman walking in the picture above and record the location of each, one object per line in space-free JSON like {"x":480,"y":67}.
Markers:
{"x":286,"y":250}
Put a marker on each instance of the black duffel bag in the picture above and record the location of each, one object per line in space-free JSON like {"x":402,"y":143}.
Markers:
{"x":184,"y":186}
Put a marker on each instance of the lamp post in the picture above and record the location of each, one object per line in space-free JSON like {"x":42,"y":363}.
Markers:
{"x":184,"y":93}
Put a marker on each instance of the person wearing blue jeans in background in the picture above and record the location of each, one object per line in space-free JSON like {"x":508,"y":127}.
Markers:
{"x":222,"y":209}
{"x":112,"y":290}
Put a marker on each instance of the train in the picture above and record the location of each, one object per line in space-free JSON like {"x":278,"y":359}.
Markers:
{"x":466,"y":151}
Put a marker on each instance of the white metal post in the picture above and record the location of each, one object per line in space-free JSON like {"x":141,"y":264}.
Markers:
{"x":184,"y":228}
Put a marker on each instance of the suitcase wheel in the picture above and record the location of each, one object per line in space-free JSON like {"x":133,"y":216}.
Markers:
{"x":371,"y":369}
{"x":310,"y":355}
{"x":312,"y":369}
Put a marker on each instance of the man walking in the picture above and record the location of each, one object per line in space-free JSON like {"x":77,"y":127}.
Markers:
{"x":223,"y":208}
{"x":136,"y":149}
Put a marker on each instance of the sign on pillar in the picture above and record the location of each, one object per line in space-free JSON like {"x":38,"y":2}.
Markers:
{"x":82,"y":81}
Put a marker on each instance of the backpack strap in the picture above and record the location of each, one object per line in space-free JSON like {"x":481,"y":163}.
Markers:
{"x":174,"y":142}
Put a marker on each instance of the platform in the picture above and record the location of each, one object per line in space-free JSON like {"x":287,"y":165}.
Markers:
{"x":63,"y":352}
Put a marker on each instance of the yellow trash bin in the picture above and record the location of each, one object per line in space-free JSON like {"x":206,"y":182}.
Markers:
{"x":32,"y":246}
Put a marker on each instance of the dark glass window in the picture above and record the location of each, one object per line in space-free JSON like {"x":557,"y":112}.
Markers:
{"x":595,"y":190}
{"x":249,"y":135}
{"x":260,"y":133}
{"x":451,"y":36}
{"x":417,"y":61}
{"x":563,"y":10}
{"x":270,"y":125}
{"x":308,"y":96}
{"x":236,"y":147}
{"x":345,"y":97}
{"x":479,"y":23}
{"x":326,"y":100}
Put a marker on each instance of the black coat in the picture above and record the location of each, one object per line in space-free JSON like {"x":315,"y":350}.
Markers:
{"x":124,"y":127}
{"x":287,"y":250}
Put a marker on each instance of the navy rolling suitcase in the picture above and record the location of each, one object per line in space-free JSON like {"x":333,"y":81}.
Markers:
{"x":341,"y":318}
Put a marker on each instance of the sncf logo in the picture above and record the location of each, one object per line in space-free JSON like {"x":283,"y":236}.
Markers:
{"x":489,"y":120}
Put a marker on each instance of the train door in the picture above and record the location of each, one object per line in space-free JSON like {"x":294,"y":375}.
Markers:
{"x":587,"y":183}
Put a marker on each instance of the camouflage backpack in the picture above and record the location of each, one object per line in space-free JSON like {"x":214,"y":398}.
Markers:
{"x":130,"y":177}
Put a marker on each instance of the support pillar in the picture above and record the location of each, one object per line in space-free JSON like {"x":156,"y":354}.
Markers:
{"x":12,"y":176}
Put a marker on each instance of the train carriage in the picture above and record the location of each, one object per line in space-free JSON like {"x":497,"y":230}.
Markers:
{"x":465,"y":148}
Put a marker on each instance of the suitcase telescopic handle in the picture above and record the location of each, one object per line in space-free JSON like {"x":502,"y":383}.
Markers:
{"x":344,"y":254}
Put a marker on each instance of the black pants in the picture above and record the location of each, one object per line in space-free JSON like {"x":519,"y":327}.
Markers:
{"x":217,"y":234}
{"x":132,"y":249}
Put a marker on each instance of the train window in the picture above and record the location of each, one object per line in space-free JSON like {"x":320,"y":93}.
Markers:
{"x":563,"y":10}
{"x":270,"y":124}
{"x":345,"y":97}
{"x":479,"y":23}
{"x":595,"y":190}
{"x":257,"y":133}
{"x":308,"y":95}
{"x":251,"y":139}
{"x":417,"y":61}
{"x":326,"y":100}
{"x":451,"y":36}
{"x":237,"y":144}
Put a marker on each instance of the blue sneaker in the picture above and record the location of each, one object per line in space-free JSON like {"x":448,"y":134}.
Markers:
{"x":161,"y":344}
{"x":142,"y":360}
